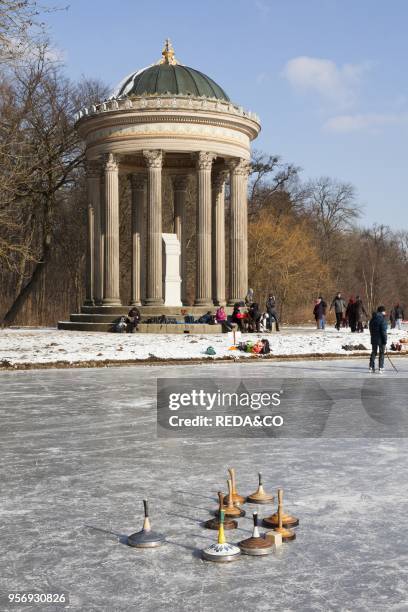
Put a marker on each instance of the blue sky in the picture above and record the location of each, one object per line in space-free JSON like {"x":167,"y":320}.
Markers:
{"x":327,"y":77}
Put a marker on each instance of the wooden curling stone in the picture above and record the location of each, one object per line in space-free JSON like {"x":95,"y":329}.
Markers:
{"x":236,"y":498}
{"x":215,"y":522}
{"x":230,"y":509}
{"x":260,"y":497}
{"x":287,"y":534}
{"x":257,"y":545}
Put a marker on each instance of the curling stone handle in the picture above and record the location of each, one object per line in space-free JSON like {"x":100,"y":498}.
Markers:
{"x":230,"y":499}
{"x":221,"y":498}
{"x":255,"y":517}
{"x":146,"y":508}
{"x":231,"y":472}
{"x":280,"y":512}
{"x":221,"y":534}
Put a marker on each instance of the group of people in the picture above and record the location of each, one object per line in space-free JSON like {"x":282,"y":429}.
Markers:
{"x":249,"y":317}
{"x":353,"y":314}
{"x":246,"y":315}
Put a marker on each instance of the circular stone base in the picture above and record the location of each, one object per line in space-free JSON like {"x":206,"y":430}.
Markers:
{"x":215,"y":524}
{"x":256,"y":546}
{"x":221,"y":553}
{"x":288,"y":522}
{"x":263,"y":500}
{"x":146,"y":539}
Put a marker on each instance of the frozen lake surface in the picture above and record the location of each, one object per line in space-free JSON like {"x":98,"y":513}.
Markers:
{"x":79,"y":453}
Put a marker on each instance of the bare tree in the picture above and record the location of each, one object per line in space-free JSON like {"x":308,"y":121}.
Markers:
{"x":45,"y":158}
{"x":333,"y":208}
{"x":20,"y":28}
{"x":269,"y":180}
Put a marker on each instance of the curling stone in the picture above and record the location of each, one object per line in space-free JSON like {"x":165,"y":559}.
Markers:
{"x":287,"y":520}
{"x":260,"y":497}
{"x":146,"y":538}
{"x":236,"y":499}
{"x":256,"y":545}
{"x":230,"y":509}
{"x":287,"y":534}
{"x":222,"y":552}
{"x":215,"y":522}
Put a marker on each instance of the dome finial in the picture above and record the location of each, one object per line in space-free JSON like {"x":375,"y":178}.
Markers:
{"x":168,"y":54}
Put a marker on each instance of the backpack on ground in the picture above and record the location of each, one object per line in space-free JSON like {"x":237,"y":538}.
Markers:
{"x":210,"y":351}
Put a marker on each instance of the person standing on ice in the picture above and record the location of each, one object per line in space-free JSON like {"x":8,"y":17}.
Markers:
{"x":271,"y":310}
{"x":339,"y":306}
{"x":360,"y":313}
{"x":319,"y":312}
{"x":378,"y":332}
{"x":398,"y":316}
{"x":351,"y":314}
{"x":324,"y":309}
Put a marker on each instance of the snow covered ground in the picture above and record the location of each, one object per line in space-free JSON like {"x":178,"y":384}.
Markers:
{"x":47,"y":345}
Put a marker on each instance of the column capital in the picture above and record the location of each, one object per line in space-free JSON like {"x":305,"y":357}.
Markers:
{"x":111,"y":162}
{"x":218,"y":180}
{"x":204,"y":160}
{"x":153,"y":158}
{"x":138,"y":181}
{"x":93,"y":168}
{"x":180,"y":182}
{"x":239,"y":166}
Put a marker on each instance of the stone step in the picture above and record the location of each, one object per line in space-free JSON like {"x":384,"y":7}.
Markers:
{"x":144,"y":328}
{"x":152,"y":310}
{"x":95,"y":318}
{"x":112,"y":318}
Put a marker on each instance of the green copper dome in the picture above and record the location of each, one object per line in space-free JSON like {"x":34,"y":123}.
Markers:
{"x":169,"y":77}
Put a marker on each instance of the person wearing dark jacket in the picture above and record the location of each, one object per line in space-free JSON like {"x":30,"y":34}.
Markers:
{"x":271,"y":310}
{"x":360,"y":313}
{"x":207,"y":318}
{"x":133,"y":319}
{"x":378,"y":332}
{"x":398,"y":313}
{"x":339,"y":306}
{"x":255,"y":317}
{"x":351,"y":314}
{"x":319,"y":312}
{"x":236,"y":317}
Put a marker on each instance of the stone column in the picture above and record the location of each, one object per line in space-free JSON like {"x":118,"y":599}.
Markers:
{"x":203,"y":263}
{"x":154,"y":290}
{"x":102,"y":235}
{"x":111,"y":295}
{"x":180,"y":183}
{"x":239,"y":169}
{"x":138,"y":189}
{"x":89,"y":299}
{"x":218,"y":237}
{"x":93,"y":261}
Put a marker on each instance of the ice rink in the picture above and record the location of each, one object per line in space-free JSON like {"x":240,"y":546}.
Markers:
{"x":79,"y":453}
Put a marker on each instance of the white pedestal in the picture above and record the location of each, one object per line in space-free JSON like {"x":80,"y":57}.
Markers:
{"x":171,"y":270}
